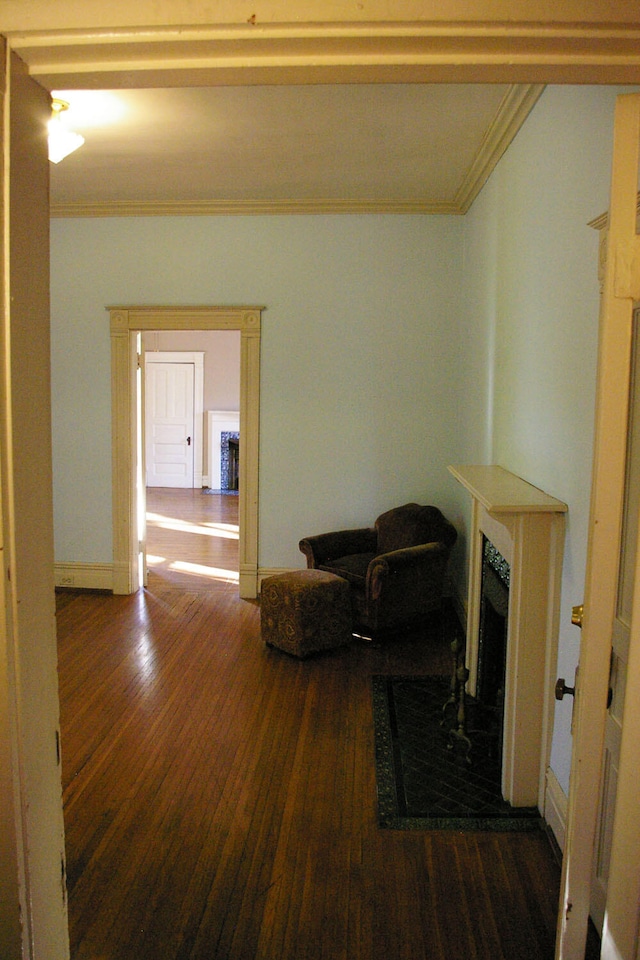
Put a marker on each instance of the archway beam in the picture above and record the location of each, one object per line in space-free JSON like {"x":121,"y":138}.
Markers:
{"x":92,"y":44}
{"x":126,"y":323}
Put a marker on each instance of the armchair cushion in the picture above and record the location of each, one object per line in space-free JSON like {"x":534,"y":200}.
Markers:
{"x":327,"y":547}
{"x":353,"y":567}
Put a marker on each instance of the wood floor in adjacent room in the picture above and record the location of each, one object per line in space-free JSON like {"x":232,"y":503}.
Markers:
{"x":220,"y":798}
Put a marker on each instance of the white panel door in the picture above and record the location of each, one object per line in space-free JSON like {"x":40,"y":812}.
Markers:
{"x":169,"y":424}
{"x":607,"y":626}
{"x":619,"y":647}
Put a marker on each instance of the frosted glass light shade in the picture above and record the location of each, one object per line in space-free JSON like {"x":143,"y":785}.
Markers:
{"x":62,"y":142}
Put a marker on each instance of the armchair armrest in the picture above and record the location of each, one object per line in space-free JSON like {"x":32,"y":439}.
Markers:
{"x":423,"y":563}
{"x":325,"y":547}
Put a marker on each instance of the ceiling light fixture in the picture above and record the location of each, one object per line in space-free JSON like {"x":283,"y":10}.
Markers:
{"x":62,"y":141}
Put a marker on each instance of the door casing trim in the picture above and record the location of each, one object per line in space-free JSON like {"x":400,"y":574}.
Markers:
{"x":125,"y":324}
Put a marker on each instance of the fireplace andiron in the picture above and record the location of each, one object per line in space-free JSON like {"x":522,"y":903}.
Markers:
{"x":458,"y":700}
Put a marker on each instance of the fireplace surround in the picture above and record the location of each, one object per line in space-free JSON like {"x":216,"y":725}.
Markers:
{"x":219,"y":424}
{"x":525,"y":526}
{"x":229,"y":459}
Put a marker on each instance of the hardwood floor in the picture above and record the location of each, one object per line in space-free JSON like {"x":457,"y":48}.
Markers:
{"x":192,"y":538}
{"x":220,"y":797}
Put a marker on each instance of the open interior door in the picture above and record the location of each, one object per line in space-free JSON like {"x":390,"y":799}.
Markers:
{"x":141,"y":472}
{"x":621,"y":289}
{"x":33,"y":918}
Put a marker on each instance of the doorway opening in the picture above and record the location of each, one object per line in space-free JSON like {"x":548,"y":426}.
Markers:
{"x":127,"y":325}
{"x":191,"y":524}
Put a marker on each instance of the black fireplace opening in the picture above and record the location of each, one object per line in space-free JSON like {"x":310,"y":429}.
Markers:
{"x":492,"y":638}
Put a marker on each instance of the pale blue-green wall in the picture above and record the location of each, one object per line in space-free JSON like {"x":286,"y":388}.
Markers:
{"x":391,"y":347}
{"x":359,"y":360}
{"x":532,"y":261}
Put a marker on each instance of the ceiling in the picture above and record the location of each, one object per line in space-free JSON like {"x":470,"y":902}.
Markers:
{"x":268,"y":106}
{"x":414,"y":147}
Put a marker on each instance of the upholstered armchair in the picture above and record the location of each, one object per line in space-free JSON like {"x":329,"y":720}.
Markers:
{"x":396,"y":568}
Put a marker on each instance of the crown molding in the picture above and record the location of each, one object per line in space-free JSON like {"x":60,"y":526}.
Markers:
{"x":224,"y":208}
{"x":598,"y":223}
{"x":516,"y":106}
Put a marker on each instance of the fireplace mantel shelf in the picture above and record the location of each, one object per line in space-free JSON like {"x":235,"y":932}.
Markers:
{"x":502,"y":492}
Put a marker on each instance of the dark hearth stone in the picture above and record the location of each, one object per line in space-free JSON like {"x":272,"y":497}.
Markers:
{"x":423,"y":781}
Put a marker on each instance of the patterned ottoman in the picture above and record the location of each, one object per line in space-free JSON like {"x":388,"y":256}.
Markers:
{"x":305,"y":611}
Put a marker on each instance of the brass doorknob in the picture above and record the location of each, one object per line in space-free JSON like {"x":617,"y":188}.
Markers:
{"x":576,"y":615}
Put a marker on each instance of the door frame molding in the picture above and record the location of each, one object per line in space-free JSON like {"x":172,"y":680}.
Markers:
{"x":125,"y":324}
{"x":195,"y":357}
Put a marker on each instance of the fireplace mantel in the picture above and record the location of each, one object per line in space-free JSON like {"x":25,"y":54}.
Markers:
{"x":502,"y":492}
{"x":526,"y":526}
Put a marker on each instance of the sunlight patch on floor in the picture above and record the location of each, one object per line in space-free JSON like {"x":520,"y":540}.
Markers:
{"x":198,"y":569}
{"x":227,"y":531}
{"x":154,"y":561}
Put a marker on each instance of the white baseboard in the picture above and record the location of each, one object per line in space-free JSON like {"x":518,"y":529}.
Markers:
{"x":555,"y":808}
{"x":88,"y":576}
{"x":99,"y":576}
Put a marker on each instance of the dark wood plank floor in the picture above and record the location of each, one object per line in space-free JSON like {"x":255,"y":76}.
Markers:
{"x":220,"y":797}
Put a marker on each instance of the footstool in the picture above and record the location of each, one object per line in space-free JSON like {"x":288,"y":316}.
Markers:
{"x":305,"y":611}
